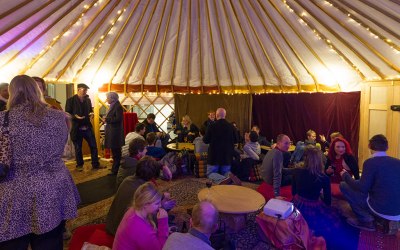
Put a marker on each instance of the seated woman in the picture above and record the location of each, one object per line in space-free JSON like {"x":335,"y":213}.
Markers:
{"x":147,"y":169}
{"x":186,"y":131}
{"x":138,"y":229}
{"x":340,"y":157}
{"x":307,"y":183}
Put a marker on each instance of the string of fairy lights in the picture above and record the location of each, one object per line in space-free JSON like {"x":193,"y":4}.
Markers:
{"x":77,"y":21}
{"x":302,"y":15}
{"x":100,"y":42}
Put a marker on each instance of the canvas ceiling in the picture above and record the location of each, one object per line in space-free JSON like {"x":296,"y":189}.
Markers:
{"x":214,"y":46}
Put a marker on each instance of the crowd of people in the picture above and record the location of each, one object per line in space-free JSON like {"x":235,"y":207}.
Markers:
{"x":138,"y":216}
{"x":310,"y":171}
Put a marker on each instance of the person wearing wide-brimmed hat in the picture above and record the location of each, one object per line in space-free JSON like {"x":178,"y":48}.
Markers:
{"x":81,"y":110}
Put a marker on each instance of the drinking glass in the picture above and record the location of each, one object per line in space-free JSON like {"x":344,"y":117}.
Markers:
{"x":208,"y":184}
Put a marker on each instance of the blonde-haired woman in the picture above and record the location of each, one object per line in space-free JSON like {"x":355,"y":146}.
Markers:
{"x":38,"y":194}
{"x":186,"y":130}
{"x":137,"y":229}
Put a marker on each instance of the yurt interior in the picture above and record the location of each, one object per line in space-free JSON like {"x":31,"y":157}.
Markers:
{"x":294,"y":71}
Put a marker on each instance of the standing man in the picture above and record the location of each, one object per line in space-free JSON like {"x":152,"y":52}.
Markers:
{"x":272,"y":170}
{"x":221,"y":138}
{"x":114,"y":132}
{"x":210,"y":120}
{"x":204,"y":222}
{"x":80,"y":108}
{"x":151,"y":126}
{"x":3,"y":96}
{"x":377,"y":192}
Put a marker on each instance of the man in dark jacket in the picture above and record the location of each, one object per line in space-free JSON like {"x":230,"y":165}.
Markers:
{"x":80,"y":108}
{"x":210,"y":120}
{"x":151,"y":126}
{"x":221,"y":138}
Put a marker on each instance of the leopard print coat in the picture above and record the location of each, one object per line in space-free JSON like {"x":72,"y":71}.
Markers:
{"x":38,"y":192}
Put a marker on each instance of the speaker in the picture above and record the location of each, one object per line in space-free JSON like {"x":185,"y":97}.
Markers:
{"x":395,"y":107}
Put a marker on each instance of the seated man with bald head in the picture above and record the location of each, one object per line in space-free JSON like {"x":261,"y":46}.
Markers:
{"x":204,"y":222}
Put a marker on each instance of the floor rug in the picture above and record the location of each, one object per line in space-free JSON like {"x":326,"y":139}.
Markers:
{"x":96,"y":190}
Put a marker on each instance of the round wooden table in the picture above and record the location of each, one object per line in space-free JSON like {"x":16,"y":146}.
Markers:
{"x":233,"y":203}
{"x":181,"y":146}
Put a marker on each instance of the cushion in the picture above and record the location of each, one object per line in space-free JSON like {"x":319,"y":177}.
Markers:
{"x":267,"y":191}
{"x":101,"y":238}
{"x":255,"y":173}
{"x":335,"y":191}
{"x":200,"y":166}
{"x":94,"y":234}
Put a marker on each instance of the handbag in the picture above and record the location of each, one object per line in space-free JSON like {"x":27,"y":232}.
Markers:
{"x":5,"y":148}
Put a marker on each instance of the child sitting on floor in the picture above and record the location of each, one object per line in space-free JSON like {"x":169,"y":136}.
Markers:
{"x":152,"y":150}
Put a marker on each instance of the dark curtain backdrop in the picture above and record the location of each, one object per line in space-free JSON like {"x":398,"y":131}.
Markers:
{"x":238,"y":108}
{"x":294,"y":114}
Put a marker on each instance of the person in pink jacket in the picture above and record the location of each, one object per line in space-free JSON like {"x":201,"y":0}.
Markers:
{"x":138,"y":229}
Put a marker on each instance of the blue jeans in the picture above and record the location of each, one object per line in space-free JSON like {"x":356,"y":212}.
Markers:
{"x":218,"y":173}
{"x":91,"y":140}
{"x":358,"y":202}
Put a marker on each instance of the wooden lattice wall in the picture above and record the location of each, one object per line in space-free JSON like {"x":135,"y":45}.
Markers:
{"x":161,"y":104}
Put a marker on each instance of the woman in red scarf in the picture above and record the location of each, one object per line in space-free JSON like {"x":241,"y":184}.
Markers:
{"x":340,"y":157}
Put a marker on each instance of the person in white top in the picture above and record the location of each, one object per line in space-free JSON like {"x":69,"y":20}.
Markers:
{"x":140,"y":129}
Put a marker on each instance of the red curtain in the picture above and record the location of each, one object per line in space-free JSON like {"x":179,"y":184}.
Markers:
{"x":294,"y":114}
{"x":130,"y":121}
